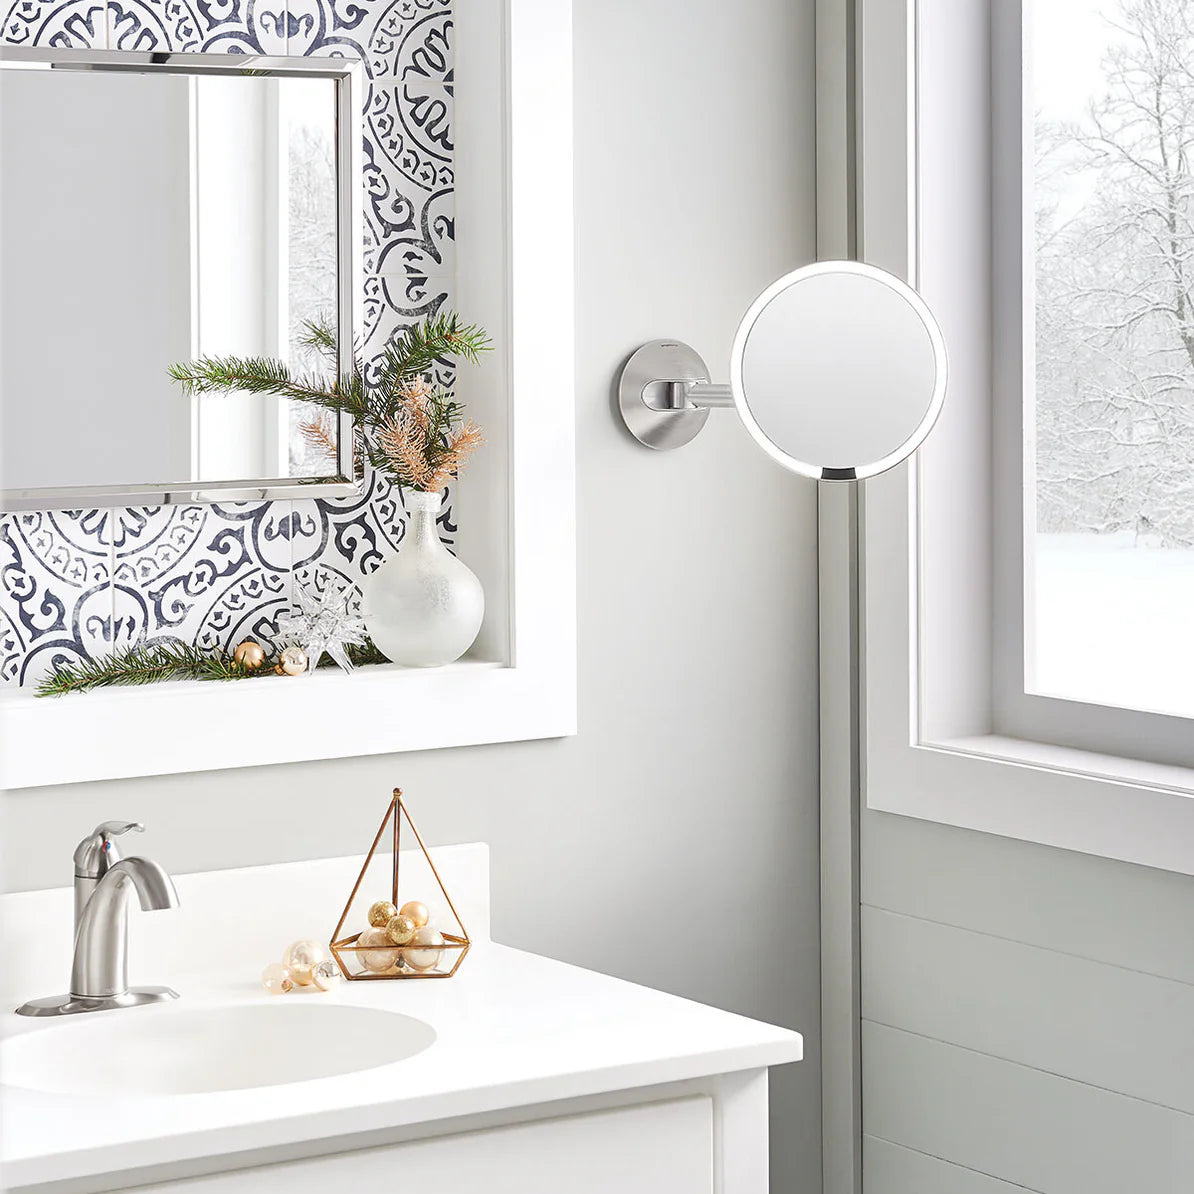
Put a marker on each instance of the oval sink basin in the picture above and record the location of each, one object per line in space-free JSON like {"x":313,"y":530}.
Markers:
{"x":182,"y":1050}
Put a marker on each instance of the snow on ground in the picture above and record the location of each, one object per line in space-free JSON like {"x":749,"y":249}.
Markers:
{"x":1114,"y":622}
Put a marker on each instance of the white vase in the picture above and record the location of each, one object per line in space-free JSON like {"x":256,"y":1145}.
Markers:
{"x":423,"y":608}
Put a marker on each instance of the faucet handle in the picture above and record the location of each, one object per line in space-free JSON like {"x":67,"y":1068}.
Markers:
{"x":97,"y":852}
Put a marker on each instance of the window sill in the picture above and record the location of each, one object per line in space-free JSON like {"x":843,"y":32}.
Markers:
{"x":162,"y":729}
{"x":1119,"y":808}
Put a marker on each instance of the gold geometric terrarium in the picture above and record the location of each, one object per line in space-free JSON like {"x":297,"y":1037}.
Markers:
{"x":398,"y":925}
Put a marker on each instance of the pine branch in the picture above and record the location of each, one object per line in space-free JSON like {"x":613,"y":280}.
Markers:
{"x":416,"y":350}
{"x":144,"y":665}
{"x":172,"y":661}
{"x":319,"y":337}
{"x":360,"y":655}
{"x":401,"y":393}
{"x":260,"y":375}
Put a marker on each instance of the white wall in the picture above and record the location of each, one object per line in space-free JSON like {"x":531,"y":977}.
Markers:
{"x":687,"y":805}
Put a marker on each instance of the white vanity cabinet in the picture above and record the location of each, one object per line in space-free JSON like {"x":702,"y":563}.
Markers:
{"x":655,"y":1148}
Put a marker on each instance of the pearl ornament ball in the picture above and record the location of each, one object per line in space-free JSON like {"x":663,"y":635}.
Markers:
{"x":326,"y":975}
{"x":417,"y":913}
{"x":373,"y":958}
{"x":293,"y":661}
{"x":425,"y":958}
{"x":300,"y":958}
{"x":381,"y":913}
{"x":275,"y":978}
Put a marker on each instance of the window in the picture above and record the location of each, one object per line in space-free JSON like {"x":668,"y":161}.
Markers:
{"x":1024,"y":584}
{"x":1110,"y":435}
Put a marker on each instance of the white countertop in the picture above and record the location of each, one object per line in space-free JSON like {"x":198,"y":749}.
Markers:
{"x":512,"y":1029}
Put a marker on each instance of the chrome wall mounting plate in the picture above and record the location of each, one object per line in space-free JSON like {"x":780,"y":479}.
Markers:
{"x":653,"y":380}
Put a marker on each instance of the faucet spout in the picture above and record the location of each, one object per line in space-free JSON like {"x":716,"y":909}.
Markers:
{"x":155,"y":888}
{"x":100,"y":968}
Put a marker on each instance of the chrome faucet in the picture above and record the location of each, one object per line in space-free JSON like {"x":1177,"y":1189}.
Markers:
{"x":99,"y":977}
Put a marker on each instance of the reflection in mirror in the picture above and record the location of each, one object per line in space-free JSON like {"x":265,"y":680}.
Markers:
{"x":839,"y":370}
{"x":148,"y":218}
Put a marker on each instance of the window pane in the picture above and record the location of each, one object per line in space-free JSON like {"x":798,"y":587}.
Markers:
{"x":1110,"y":567}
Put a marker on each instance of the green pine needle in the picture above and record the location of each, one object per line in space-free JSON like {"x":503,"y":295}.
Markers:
{"x":143,"y":665}
{"x":412,"y":354}
{"x":318,"y":337}
{"x":172,"y":661}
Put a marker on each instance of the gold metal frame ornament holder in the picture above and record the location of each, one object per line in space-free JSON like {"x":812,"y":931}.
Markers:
{"x":346,"y":949}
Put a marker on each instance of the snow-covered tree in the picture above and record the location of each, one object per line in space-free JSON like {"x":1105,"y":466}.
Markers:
{"x":1115,"y":289}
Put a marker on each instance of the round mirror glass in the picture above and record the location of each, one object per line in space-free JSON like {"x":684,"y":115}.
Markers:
{"x":838,"y":370}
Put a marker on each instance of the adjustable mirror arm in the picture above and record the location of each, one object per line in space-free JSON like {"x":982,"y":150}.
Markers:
{"x":665,"y":396}
{"x":702,"y":394}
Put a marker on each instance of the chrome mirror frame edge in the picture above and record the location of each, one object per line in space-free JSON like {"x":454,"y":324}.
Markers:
{"x":348,"y":78}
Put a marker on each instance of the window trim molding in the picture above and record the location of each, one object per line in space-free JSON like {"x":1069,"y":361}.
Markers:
{"x":939,"y":759}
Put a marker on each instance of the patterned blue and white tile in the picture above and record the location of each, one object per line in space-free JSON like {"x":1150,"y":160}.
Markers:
{"x":195,"y":26}
{"x":55,"y":592}
{"x":55,"y":24}
{"x":344,"y":544}
{"x":394,"y":302}
{"x":216,"y":574}
{"x":347,"y":538}
{"x":407,"y":47}
{"x":203,"y":575}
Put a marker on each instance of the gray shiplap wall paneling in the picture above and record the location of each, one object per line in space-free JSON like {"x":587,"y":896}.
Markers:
{"x":1029,"y":1012}
{"x":1103,"y":1025}
{"x":893,"y":1169}
{"x":1031,"y":1128}
{"x":1093,"y":907}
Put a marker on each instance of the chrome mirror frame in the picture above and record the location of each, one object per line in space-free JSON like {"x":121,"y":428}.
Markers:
{"x":348,"y":78}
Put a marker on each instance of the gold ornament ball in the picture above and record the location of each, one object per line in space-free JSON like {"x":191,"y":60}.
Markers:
{"x":249,"y":655}
{"x":416,"y":912}
{"x":293,"y":661}
{"x":377,"y":960}
{"x":326,"y":975}
{"x":300,"y":958}
{"x":400,"y":929}
{"x":380,"y":914}
{"x":423,"y":958}
{"x":275,"y":978}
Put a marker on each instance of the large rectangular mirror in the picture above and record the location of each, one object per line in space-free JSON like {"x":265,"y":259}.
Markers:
{"x":157,"y":208}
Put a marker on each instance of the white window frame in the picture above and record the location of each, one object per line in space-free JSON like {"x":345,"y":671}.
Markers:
{"x":517,"y":502}
{"x":943,"y":739}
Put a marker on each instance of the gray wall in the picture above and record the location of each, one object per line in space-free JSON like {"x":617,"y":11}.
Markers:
{"x":123,"y":142}
{"x":1028,"y":1017}
{"x":688,"y":803}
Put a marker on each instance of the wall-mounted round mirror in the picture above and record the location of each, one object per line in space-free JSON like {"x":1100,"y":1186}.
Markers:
{"x":838,"y":371}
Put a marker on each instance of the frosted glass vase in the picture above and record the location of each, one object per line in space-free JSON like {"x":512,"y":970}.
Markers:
{"x":423,"y":608}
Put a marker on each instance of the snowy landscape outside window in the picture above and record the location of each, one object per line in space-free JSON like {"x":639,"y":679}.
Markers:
{"x":311,"y":248}
{"x":1109,"y":433}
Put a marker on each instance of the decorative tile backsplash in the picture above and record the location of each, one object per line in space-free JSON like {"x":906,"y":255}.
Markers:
{"x":75,"y":584}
